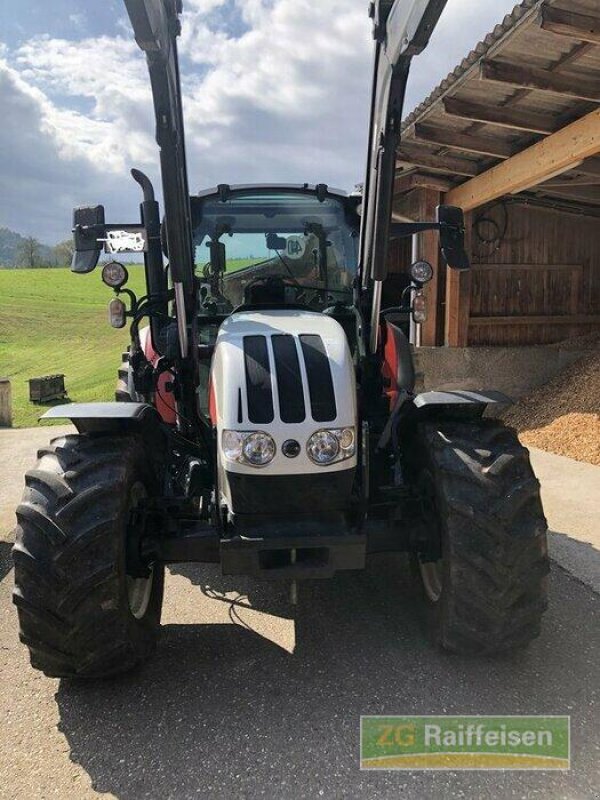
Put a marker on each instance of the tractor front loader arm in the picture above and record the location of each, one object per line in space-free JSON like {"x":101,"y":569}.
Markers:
{"x":156,"y":27}
{"x":402,"y":29}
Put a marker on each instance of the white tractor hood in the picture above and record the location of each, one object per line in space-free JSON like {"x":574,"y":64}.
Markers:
{"x":270,"y":372}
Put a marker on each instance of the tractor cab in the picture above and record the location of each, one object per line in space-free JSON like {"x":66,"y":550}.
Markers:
{"x":275,"y":246}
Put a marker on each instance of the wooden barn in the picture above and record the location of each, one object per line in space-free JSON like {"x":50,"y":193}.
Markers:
{"x":513,"y":136}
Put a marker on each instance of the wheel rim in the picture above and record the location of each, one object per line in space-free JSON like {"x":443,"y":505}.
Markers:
{"x":432,"y":571}
{"x":432,"y":577}
{"x":139,"y":590}
{"x":138,"y":594}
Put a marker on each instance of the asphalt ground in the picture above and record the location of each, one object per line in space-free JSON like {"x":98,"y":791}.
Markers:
{"x":248,"y":697}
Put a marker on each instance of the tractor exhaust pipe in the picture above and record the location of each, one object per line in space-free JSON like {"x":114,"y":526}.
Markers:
{"x":156,"y":279}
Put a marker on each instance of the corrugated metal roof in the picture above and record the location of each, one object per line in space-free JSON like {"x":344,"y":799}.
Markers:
{"x":521,"y":12}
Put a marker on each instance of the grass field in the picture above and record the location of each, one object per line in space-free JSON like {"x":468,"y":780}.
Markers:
{"x":53,"y":321}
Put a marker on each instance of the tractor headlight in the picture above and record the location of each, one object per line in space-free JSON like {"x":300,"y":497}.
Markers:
{"x":232,"y":443}
{"x":328,"y":446}
{"x":259,"y":449}
{"x":421,"y":272}
{"x":255,"y":448}
{"x":114,"y":275}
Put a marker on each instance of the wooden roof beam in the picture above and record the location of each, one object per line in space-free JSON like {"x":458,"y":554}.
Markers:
{"x":590,"y":167}
{"x":503,"y":116}
{"x":582,"y":27}
{"x":532,"y":166}
{"x":584,"y":194}
{"x":404,"y":183}
{"x":482,"y":145}
{"x":420,"y":157}
{"x":582,"y":180}
{"x":540,"y":79}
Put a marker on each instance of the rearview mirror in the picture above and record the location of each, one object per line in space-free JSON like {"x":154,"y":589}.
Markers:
{"x":88,"y":228}
{"x":218,"y":257}
{"x":452,"y":237}
{"x":275,"y":242}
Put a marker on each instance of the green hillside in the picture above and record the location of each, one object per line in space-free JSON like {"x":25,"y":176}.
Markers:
{"x":52,"y":321}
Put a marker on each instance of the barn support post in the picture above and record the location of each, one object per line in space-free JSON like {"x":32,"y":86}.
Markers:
{"x":458,"y":298}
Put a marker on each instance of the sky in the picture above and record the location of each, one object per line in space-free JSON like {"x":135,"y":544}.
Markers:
{"x":274,"y":91}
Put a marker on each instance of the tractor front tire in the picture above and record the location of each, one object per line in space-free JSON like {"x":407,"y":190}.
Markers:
{"x":484,"y":578}
{"x":81,"y":615}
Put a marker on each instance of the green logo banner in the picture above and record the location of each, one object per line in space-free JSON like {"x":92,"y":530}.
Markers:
{"x":449,"y":742}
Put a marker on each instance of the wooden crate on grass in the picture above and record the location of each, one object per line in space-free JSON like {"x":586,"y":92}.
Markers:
{"x":47,"y":387}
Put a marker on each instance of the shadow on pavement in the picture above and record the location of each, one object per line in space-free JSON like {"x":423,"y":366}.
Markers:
{"x":6,"y":562}
{"x":579,"y":558}
{"x":222,"y":712}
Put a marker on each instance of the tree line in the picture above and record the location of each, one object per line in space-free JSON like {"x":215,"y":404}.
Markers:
{"x":31,"y":254}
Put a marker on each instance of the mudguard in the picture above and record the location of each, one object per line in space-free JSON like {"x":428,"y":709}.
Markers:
{"x":107,"y":417}
{"x":464,"y":402}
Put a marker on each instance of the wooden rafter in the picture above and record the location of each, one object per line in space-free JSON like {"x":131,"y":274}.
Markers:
{"x":505,"y":117}
{"x":482,"y":145}
{"x":541,"y":80}
{"x":569,"y":183}
{"x":404,"y":183}
{"x":590,"y":167}
{"x":557,"y":152}
{"x":582,"y":27}
{"x":590,"y":194}
{"x":420,"y":157}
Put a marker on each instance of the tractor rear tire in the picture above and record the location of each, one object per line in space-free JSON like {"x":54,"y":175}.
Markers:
{"x":81,"y":615}
{"x":488,"y":591}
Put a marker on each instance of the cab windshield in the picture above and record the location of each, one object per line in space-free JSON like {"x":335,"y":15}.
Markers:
{"x":256,"y":239}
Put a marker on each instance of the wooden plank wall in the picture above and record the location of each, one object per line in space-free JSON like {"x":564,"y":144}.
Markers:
{"x":540,"y":283}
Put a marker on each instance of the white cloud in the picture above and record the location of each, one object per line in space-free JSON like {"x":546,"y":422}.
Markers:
{"x":204,"y":6}
{"x":280,"y":95}
{"x":107,"y":72}
{"x":41,"y":180}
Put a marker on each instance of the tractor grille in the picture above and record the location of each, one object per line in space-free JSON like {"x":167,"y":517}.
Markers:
{"x":289,"y":379}
{"x":258,"y":380}
{"x":288,"y":374}
{"x":320,"y":382}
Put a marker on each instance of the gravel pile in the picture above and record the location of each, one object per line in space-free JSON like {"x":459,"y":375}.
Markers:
{"x":563,"y":416}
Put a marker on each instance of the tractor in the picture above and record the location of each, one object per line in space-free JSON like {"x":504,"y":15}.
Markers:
{"x":266,"y":417}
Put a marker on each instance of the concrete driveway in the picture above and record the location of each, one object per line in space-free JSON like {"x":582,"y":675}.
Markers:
{"x":250,"y":698}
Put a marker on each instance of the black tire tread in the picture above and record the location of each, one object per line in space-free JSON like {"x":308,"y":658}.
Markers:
{"x":495,"y":527}
{"x":67,"y":560}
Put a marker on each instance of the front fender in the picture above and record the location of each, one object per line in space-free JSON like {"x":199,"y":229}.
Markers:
{"x":457,"y":403}
{"x":107,"y":417}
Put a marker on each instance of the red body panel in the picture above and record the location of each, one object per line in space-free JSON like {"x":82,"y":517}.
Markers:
{"x":389,"y":366}
{"x":164,"y":399}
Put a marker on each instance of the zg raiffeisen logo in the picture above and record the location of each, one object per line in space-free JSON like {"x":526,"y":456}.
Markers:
{"x":514,"y":742}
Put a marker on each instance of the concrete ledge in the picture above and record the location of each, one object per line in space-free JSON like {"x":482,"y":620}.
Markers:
{"x":515,"y":371}
{"x":569,"y":493}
